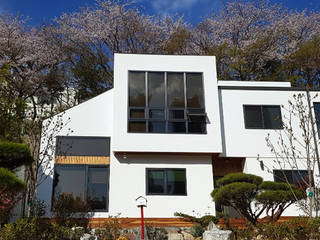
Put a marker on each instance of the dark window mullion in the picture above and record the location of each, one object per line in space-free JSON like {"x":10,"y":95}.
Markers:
{"x":166,"y":101}
{"x":147,"y":102}
{"x":86,"y":183}
{"x":262,"y":117}
{"x":185,"y":101}
{"x":165,"y":181}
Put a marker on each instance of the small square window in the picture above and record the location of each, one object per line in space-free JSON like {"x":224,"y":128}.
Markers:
{"x":166,"y":181}
{"x":262,"y":117}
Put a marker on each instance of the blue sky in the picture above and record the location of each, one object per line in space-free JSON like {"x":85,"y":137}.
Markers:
{"x":41,"y":11}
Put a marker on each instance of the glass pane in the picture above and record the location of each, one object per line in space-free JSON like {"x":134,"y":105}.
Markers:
{"x":135,"y":126}
{"x":70,"y":179}
{"x":176,"y":127}
{"x":158,"y":114}
{"x":98,"y":178}
{"x":195,"y":90}
{"x":316,"y":106}
{"x":282,"y":176}
{"x":175,"y":89}
{"x":176,"y":182}
{"x":300,"y":178}
{"x":137,"y":113}
{"x":252,"y":117}
{"x":157,"y":127}
{"x":272,"y":117}
{"x":197,"y":115}
{"x":196,"y":127}
{"x":176,"y":114}
{"x":156,"y":89}
{"x":155,"y":181}
{"x":137,"y":89}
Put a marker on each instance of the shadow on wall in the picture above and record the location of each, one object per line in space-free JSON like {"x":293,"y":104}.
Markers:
{"x":163,"y":158}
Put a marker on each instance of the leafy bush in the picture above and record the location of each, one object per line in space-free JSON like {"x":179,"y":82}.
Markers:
{"x":295,"y":229}
{"x":10,"y":186}
{"x":38,"y":208}
{"x":13,"y":155}
{"x":197,"y":230}
{"x":65,"y":206}
{"x":35,"y":229}
{"x":203,"y":221}
{"x":111,"y":229}
{"x":156,"y":233}
{"x":239,"y":177}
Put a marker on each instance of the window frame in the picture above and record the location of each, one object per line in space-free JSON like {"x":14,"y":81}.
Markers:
{"x":262,"y":116}
{"x":166,"y":108}
{"x":282,"y":171}
{"x":317,"y":117}
{"x":165,"y":193}
{"x":86,"y":169}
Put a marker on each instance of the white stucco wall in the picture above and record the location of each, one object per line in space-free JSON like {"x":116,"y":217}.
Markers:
{"x":237,"y":141}
{"x":90,"y":118}
{"x":123,"y":141}
{"x":128,"y":181}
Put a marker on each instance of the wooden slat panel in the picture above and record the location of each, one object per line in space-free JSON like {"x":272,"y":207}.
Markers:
{"x":223,"y":166}
{"x":93,"y":160}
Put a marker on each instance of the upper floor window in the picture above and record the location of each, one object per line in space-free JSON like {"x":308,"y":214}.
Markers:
{"x":166,"y":102}
{"x":262,"y":117}
{"x":316,"y":107}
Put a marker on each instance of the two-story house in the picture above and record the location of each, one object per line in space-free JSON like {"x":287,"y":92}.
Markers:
{"x":167,"y":130}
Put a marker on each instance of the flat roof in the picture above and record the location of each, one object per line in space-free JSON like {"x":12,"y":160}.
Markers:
{"x":224,"y":83}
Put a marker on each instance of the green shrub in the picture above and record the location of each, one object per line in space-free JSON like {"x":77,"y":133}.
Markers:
{"x":34,"y":229}
{"x":239,"y":177}
{"x":65,"y":207}
{"x":197,"y":230}
{"x":13,"y":155}
{"x":203,"y":221}
{"x":38,"y":208}
{"x":10,"y":186}
{"x":110,"y":230}
{"x":156,"y":233}
{"x":9,"y":181}
{"x":296,"y":229}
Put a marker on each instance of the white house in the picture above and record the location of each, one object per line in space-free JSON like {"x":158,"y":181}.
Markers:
{"x":167,"y":130}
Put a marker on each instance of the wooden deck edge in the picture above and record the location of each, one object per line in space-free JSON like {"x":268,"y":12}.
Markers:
{"x":239,"y":223}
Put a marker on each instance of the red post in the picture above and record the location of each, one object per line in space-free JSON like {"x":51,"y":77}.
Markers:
{"x":142,"y":225}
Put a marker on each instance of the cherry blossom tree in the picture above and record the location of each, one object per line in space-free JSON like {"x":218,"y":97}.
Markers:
{"x":251,"y":39}
{"x":92,"y":35}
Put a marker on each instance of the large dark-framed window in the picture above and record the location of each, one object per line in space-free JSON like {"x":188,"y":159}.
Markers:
{"x":166,"y":181}
{"x":166,"y":102}
{"x":87,"y":183}
{"x":316,"y":108}
{"x":262,"y":116}
{"x":299,"y":178}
